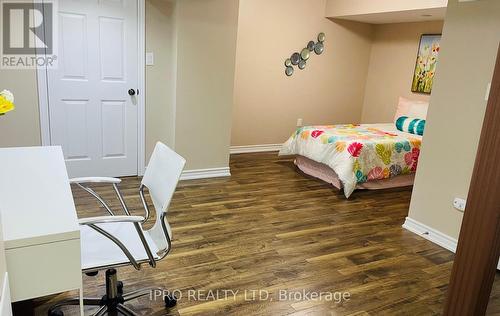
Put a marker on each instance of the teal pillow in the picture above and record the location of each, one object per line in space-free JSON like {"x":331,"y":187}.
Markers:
{"x":410,"y":125}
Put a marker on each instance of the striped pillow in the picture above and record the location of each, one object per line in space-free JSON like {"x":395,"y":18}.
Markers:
{"x":410,"y":125}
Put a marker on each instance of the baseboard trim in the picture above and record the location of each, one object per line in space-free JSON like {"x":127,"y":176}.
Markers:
{"x":431,"y":234}
{"x":205,"y":173}
{"x":254,"y":148}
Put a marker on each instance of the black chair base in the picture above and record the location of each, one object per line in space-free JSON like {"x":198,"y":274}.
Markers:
{"x":112,"y":303}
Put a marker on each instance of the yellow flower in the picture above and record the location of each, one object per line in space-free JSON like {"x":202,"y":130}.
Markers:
{"x":340,"y":146}
{"x":5,"y":105}
{"x":415,"y":142}
{"x":387,"y":173}
{"x":356,"y":166}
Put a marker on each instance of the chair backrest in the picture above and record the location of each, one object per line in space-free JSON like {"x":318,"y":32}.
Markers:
{"x":161,"y":177}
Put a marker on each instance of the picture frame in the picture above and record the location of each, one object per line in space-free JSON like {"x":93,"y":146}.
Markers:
{"x":426,"y":63}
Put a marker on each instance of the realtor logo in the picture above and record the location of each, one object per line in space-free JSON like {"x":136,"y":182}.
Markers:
{"x":28,"y":34}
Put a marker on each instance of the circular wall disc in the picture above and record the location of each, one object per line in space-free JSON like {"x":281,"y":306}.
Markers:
{"x":295,"y":58}
{"x":310,"y":46}
{"x":321,"y":37}
{"x":289,"y":71}
{"x":288,"y":62}
{"x":302,"y":64}
{"x":319,"y":48}
{"x":304,"y":54}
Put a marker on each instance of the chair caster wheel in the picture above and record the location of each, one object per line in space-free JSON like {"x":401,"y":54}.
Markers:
{"x":119,"y":285}
{"x":170,"y":301}
{"x":56,"y":312}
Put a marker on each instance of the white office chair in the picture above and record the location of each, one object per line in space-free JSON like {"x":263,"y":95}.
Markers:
{"x":118,"y":240}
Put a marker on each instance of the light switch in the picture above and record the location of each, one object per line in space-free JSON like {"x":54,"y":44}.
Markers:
{"x":150,"y":59}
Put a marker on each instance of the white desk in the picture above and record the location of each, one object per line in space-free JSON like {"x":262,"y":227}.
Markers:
{"x":5,"y":307}
{"x":40,"y":226}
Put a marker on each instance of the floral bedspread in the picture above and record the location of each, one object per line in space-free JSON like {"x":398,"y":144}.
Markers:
{"x":357,"y":153}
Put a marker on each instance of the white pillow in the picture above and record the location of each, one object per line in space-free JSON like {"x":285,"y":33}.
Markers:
{"x":411,"y":108}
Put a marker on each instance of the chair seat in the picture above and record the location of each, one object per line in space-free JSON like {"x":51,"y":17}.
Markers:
{"x":99,"y":251}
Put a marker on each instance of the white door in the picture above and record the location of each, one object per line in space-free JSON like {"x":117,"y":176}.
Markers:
{"x":92,"y":116}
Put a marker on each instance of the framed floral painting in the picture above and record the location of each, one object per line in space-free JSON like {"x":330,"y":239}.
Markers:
{"x":427,"y":59}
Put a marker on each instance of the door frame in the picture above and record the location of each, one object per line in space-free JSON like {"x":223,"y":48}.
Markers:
{"x":43,"y":96}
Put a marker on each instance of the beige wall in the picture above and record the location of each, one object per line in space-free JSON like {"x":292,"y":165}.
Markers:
{"x":160,"y":78}
{"x":206,"y":48}
{"x":22,"y":126}
{"x":469,"y":47}
{"x":392,"y":63}
{"x":267,"y":104}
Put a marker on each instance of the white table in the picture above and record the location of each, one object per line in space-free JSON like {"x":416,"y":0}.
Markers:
{"x":40,"y":225}
{"x":5,"y":307}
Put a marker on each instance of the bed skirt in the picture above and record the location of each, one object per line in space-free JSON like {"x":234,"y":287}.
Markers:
{"x":325,"y":173}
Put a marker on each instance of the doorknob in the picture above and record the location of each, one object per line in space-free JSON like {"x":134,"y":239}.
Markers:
{"x":131,"y":92}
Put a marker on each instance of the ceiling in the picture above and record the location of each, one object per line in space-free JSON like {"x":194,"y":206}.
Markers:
{"x":398,"y":16}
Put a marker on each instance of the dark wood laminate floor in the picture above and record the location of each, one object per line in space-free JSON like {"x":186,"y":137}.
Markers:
{"x":271,"y":228}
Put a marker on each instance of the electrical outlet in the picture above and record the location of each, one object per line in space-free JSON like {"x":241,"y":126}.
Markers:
{"x":299,"y":122}
{"x":459,"y":204}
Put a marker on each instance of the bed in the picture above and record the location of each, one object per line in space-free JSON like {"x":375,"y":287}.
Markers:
{"x":366,"y":156}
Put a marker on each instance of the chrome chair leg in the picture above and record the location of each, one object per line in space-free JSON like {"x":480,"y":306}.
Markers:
{"x":112,"y":302}
{"x":73,"y":302}
{"x":101,"y":311}
{"x":139,"y":293}
{"x":169,"y":299}
{"x":126,"y":311}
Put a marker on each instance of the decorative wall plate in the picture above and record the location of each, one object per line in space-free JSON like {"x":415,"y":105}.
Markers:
{"x":304,"y":54}
{"x":295,"y":58}
{"x":310,"y":46}
{"x":319,"y":48}
{"x":300,"y":59}
{"x":321,"y":37}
